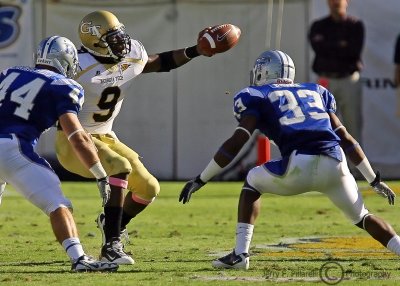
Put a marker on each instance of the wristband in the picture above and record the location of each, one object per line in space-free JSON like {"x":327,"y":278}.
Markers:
{"x":339,"y":127}
{"x":98,"y":171}
{"x":210,"y":171}
{"x":366,"y":170}
{"x":74,"y":132}
{"x":376,"y":181}
{"x":191,"y":52}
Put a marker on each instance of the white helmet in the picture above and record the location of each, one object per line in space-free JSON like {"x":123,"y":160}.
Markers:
{"x":272,"y":67}
{"x":60,"y":53}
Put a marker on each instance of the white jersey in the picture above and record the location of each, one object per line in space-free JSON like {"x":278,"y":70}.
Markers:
{"x":105,"y":86}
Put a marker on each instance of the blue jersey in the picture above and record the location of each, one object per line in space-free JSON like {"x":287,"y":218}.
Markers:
{"x":294,"y":116}
{"x":32,"y":100}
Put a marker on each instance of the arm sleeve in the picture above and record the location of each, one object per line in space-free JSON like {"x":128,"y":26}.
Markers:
{"x":328,"y":99}
{"x":317,"y":39}
{"x":246,"y":104}
{"x":356,"y":41}
{"x":70,"y":97}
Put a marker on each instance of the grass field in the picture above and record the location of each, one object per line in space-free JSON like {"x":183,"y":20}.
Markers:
{"x":296,"y":240}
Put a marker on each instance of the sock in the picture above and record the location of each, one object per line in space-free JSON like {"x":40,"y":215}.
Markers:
{"x":244,"y":234}
{"x":73,"y":247}
{"x":394,"y":244}
{"x":112,"y":226}
{"x":126,"y":218}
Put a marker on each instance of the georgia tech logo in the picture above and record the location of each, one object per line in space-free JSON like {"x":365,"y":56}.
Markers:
{"x":89,"y":28}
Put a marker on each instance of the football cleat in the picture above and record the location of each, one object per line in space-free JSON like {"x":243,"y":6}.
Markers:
{"x":232,"y":261}
{"x":124,"y":236}
{"x":100,"y":220}
{"x":88,"y":264}
{"x":114,"y":252}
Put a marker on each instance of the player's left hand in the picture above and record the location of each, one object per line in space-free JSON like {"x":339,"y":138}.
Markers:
{"x":199,"y":49}
{"x":383,"y":189}
{"x":192,"y":186}
{"x":104,"y":189}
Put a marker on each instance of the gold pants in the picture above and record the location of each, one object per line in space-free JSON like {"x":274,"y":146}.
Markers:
{"x":116,"y":158}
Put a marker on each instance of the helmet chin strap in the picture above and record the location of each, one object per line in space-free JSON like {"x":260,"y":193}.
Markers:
{"x":109,"y":55}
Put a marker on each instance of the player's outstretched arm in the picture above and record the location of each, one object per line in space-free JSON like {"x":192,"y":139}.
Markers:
{"x":225,"y":154}
{"x":210,"y":41}
{"x":86,"y":151}
{"x":356,"y":155}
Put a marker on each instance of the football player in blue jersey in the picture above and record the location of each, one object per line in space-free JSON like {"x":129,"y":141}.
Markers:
{"x":31,"y":101}
{"x":300,"y":118}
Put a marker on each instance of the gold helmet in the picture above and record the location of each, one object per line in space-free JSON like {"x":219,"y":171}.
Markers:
{"x":103,"y":35}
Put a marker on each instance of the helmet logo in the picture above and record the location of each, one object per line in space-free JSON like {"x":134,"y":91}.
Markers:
{"x":43,"y":61}
{"x":89,"y":28}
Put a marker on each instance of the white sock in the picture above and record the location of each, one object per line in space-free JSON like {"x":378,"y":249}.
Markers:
{"x":73,"y":247}
{"x":394,"y":244}
{"x":244,"y":234}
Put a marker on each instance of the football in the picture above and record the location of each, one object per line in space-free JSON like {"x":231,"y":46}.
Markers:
{"x":219,"y":38}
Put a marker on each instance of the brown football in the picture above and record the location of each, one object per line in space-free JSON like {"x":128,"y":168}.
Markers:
{"x":219,"y":38}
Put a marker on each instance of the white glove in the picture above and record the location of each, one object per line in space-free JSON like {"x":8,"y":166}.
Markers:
{"x":382,"y":189}
{"x":104,"y":189}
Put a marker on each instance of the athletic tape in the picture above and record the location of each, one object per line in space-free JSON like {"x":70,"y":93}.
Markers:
{"x":118,"y":182}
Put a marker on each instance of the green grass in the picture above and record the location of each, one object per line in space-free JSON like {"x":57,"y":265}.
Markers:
{"x":173,"y":244}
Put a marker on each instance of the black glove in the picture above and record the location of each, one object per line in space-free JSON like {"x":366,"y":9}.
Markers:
{"x":383,"y":189}
{"x":190,"y":187}
{"x":104,"y":189}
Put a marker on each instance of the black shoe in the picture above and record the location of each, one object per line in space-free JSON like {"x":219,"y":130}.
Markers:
{"x":233,"y":261}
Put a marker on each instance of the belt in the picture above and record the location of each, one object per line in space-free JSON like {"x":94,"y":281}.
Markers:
{"x":4,"y":136}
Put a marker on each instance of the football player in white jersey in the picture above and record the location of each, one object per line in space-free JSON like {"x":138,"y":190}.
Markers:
{"x":110,"y":60}
{"x":300,"y":118}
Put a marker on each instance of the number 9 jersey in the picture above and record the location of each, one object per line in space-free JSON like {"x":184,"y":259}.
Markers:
{"x":105,"y":87}
{"x":294,"y":116}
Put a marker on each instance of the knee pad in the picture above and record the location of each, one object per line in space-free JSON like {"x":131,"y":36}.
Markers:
{"x":117,"y":165}
{"x":361,"y":223}
{"x":48,"y":201}
{"x":248,"y":187}
{"x":148,"y":191}
{"x":153,"y":187}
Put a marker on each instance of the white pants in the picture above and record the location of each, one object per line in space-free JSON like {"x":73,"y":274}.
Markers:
{"x":306,"y":173}
{"x":37,"y":183}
